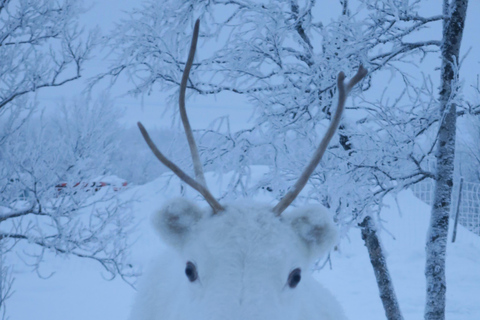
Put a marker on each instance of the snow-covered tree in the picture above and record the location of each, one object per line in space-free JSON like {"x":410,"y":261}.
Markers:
{"x":283,"y":57}
{"x":42,"y":44}
{"x":57,"y":194}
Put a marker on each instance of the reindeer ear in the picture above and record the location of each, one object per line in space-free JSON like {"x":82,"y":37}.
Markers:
{"x":175,"y":221}
{"x":314,"y":225}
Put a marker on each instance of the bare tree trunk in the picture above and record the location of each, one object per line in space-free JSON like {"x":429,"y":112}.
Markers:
{"x":457,"y":211}
{"x":438,"y":230}
{"x":379,"y":263}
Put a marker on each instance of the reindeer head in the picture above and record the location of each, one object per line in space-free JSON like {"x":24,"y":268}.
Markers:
{"x":239,"y":261}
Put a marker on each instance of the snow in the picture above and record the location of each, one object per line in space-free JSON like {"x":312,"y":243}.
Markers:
{"x":353,"y":278}
{"x":78,"y":291}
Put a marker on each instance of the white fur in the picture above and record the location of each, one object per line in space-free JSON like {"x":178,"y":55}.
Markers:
{"x":243,"y":257}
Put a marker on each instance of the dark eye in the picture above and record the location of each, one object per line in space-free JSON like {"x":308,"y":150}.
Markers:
{"x":294,"y":278}
{"x":191,"y":271}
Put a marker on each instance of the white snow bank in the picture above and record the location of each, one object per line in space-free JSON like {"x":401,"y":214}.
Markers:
{"x":77,"y":290}
{"x":352,"y":279}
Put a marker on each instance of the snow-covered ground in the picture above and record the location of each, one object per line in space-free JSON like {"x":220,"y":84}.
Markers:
{"x":77,"y":290}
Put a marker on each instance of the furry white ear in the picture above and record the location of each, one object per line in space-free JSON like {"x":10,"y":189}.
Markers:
{"x":175,"y":221}
{"x":314,"y":225}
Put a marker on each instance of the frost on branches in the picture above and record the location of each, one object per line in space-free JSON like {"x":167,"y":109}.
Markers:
{"x":52,"y":199}
{"x":281,"y":58}
{"x":47,"y":165}
{"x":41,"y":45}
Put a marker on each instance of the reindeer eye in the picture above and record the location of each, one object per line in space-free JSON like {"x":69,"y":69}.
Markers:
{"x":191,"y":271}
{"x":294,"y":278}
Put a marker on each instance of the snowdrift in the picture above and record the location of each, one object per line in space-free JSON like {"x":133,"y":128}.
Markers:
{"x":77,"y":290}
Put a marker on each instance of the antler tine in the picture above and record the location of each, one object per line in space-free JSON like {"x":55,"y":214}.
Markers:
{"x":197,"y":164}
{"x":180,"y":173}
{"x":343,"y":91}
{"x":199,"y":184}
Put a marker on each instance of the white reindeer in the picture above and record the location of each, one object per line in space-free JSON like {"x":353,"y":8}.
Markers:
{"x":239,"y":261}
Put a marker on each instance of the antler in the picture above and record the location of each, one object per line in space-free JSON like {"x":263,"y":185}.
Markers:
{"x":343,"y":91}
{"x":197,"y":164}
{"x":198,"y":183}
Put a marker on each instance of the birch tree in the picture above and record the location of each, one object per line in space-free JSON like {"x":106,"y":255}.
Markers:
{"x":455,"y":12}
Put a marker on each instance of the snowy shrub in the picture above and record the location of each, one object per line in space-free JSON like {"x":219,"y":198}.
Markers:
{"x":51,"y":200}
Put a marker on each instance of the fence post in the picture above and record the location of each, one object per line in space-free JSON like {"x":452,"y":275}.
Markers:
{"x":457,"y":213}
